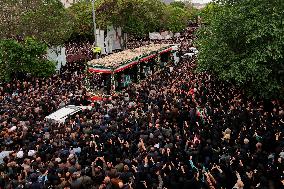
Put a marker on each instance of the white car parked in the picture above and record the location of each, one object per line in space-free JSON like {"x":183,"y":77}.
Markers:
{"x":63,"y":113}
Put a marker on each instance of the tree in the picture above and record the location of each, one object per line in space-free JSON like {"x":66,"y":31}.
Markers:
{"x":177,"y":18}
{"x":46,"y":20}
{"x":133,"y":17}
{"x":25,"y":57}
{"x":243,"y":43}
{"x":154,"y":12}
{"x":193,"y":12}
{"x":208,"y":11}
{"x":107,"y":13}
{"x":141,"y":17}
{"x":136,"y":17}
{"x":83,"y":20}
{"x":179,"y":4}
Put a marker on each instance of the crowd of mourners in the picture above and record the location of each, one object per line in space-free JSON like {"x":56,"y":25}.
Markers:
{"x":82,"y":51}
{"x":177,"y":129}
{"x":184,"y":38}
{"x":79,"y":52}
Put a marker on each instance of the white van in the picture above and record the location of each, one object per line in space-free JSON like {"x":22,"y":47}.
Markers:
{"x":63,"y":113}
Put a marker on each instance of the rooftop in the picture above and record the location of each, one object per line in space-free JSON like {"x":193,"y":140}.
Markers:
{"x":118,"y":59}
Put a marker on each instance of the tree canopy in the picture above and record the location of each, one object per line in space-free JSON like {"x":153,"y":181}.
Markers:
{"x":208,"y":11}
{"x":28,"y":27}
{"x":45,"y":20}
{"x":243,"y":43}
{"x":136,"y":17}
{"x":176,"y":18}
{"x":83,"y":19}
{"x":27,"y":56}
{"x":49,"y":21}
{"x":179,"y":4}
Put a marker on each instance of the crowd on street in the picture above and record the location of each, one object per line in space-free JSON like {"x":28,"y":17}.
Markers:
{"x":79,"y":52}
{"x":177,"y":129}
{"x":82,"y":51}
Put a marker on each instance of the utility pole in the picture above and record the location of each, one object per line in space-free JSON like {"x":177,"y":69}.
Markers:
{"x":95,"y":28}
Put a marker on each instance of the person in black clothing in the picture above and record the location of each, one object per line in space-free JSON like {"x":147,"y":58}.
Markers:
{"x":177,"y":129}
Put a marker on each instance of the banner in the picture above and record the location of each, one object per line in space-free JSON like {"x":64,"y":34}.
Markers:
{"x":118,"y":39}
{"x":109,"y":39}
{"x":101,"y":41}
{"x":161,"y":36}
{"x":155,"y":36}
{"x":58,"y":55}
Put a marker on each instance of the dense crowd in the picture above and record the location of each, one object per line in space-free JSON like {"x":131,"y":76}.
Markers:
{"x":132,"y":44}
{"x":78,"y":52}
{"x":82,"y":51}
{"x":176,"y":129}
{"x":184,"y":38}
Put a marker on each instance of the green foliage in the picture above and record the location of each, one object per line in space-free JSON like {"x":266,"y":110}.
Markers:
{"x":193,"y":13}
{"x":178,"y":4}
{"x":83,"y":19}
{"x":177,"y":18}
{"x":187,"y":6}
{"x":141,"y":17}
{"x":209,"y":11}
{"x":108,"y":13}
{"x":46,"y":20}
{"x":136,"y":17}
{"x":243,"y":43}
{"x":24,"y":57}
